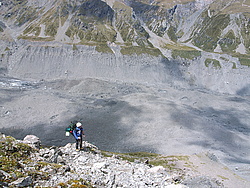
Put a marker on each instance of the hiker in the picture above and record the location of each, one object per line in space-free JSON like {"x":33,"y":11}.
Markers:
{"x":78,"y":134}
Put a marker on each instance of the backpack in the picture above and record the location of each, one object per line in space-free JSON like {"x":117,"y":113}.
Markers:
{"x":70,"y":128}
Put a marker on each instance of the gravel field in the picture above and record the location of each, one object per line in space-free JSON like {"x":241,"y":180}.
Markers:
{"x":126,"y":117}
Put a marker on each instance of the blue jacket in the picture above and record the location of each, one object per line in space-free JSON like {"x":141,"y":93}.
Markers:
{"x":78,"y":132}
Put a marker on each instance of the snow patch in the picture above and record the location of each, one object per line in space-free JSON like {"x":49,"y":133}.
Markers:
{"x":218,"y":49}
{"x":241,"y":49}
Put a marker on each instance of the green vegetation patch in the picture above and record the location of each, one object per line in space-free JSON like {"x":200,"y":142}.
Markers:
{"x":223,"y":58}
{"x":170,"y":4}
{"x":7,"y":49}
{"x":51,"y":28}
{"x":215,"y":63}
{"x":186,"y":54}
{"x":229,"y":42}
{"x":90,"y":32}
{"x":103,"y":48}
{"x":51,"y":21}
{"x":210,"y":31}
{"x":104,"y":33}
{"x":124,"y":10}
{"x":138,"y":50}
{"x":245,"y":61}
{"x":177,"y":46}
{"x":40,"y":165}
{"x":130,"y":29}
{"x":234,"y":66}
{"x":32,"y":29}
{"x":28,"y":14}
{"x":75,"y":47}
{"x":172,"y":33}
{"x":34,"y":38}
{"x":80,"y":183}
{"x":12,"y":155}
{"x":222,"y":177}
{"x":133,"y":31}
{"x":245,"y":31}
{"x":168,"y":162}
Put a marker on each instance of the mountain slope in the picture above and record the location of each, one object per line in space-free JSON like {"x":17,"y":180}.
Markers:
{"x":196,"y":36}
{"x":214,"y":26}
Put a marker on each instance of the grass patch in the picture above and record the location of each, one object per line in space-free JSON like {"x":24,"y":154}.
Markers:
{"x":177,"y":46}
{"x":186,"y":54}
{"x":170,"y":4}
{"x":215,"y":63}
{"x":80,"y":183}
{"x":32,"y":29}
{"x":223,"y":58}
{"x":234,"y":66}
{"x":28,"y":14}
{"x":229,"y":42}
{"x":222,"y":177}
{"x":12,"y":155}
{"x":101,"y":33}
{"x":243,"y":58}
{"x":168,"y":162}
{"x":138,"y":50}
{"x":51,"y":28}
{"x":7,"y":49}
{"x":210,"y":31}
{"x":103,"y":48}
{"x":34,"y":38}
{"x":172,"y":33}
{"x":40,"y":165}
{"x":245,"y":61}
{"x":75,"y":47}
{"x":234,"y":7}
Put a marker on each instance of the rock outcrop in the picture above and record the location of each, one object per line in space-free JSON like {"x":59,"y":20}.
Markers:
{"x":65,"y":167}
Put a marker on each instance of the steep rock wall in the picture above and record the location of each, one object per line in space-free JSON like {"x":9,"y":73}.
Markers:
{"x":63,"y":62}
{"x":216,"y":72}
{"x":220,"y":73}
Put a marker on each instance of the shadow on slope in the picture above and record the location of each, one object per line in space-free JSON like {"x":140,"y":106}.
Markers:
{"x":245,"y":91}
{"x":104,"y":126}
{"x":218,"y":130}
{"x":101,"y":122}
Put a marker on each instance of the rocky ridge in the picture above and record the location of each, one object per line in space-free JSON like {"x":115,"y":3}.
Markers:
{"x":35,"y":166}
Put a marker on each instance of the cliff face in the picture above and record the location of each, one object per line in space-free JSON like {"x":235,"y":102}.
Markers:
{"x":78,"y":62}
{"x":216,"y":72}
{"x":197,"y":43}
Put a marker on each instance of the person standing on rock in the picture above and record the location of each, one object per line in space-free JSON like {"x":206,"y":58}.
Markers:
{"x":78,"y":134}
